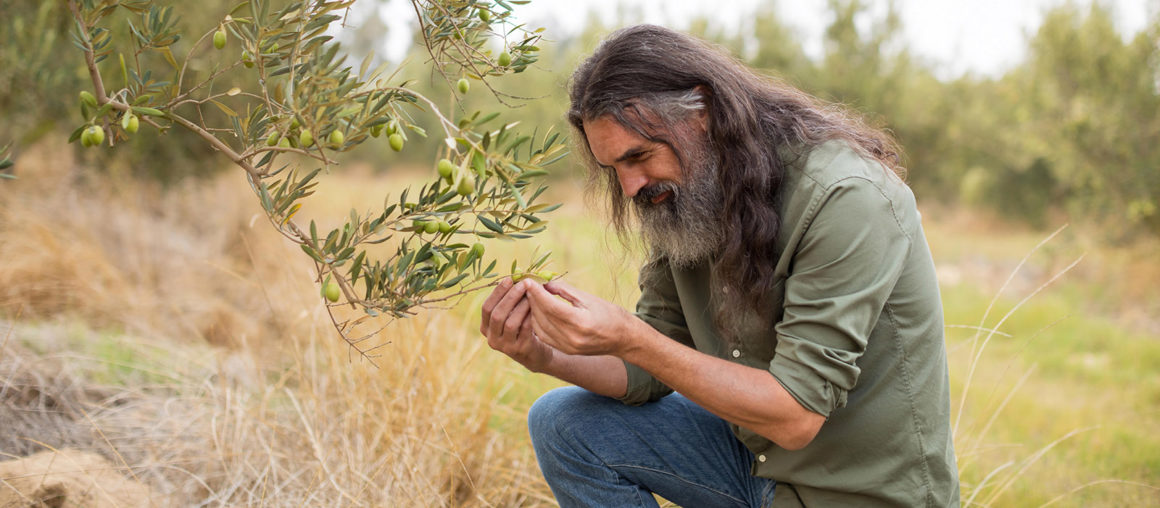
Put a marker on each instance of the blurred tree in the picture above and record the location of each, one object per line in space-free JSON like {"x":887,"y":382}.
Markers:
{"x":38,"y":87}
{"x":1098,"y":115}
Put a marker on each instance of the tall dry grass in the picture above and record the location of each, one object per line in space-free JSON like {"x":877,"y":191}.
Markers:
{"x":207,"y":366}
{"x":180,"y":337}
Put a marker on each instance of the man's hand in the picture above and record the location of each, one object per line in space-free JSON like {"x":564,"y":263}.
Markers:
{"x":580,"y":324}
{"x":507,"y":324}
{"x":583,"y":324}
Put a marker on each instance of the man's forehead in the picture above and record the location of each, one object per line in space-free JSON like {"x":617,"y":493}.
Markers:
{"x":610,"y":141}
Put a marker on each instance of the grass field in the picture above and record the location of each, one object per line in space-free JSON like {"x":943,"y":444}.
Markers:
{"x":210,"y":371}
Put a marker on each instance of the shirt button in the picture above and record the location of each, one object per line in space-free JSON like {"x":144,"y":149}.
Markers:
{"x":736,"y":353}
{"x":761,"y":458}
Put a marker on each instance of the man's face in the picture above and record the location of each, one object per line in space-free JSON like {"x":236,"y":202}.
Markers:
{"x":677,"y":207}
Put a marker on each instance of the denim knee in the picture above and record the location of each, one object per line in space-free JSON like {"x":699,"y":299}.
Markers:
{"x":553,"y":408}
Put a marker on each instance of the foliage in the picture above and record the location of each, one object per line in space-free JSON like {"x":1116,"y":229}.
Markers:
{"x":296,"y":102}
{"x":1072,"y":130}
{"x":6,"y":163}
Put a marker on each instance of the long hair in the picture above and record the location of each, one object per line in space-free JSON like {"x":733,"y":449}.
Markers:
{"x":749,"y":118}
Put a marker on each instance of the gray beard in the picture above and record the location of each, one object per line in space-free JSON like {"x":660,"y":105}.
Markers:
{"x":686,"y":227}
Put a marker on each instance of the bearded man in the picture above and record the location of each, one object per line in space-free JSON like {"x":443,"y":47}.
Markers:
{"x":789,"y":301}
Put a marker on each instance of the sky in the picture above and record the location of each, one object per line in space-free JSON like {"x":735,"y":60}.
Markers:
{"x":982,"y":37}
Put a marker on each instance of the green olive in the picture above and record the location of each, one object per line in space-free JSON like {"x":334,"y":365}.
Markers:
{"x":88,"y":98}
{"x":247,"y":59}
{"x":272,"y":139}
{"x":444,"y":227}
{"x":504,"y":59}
{"x":463,"y":85}
{"x":219,"y":38}
{"x":376,"y":130}
{"x":305,"y":138}
{"x":396,"y":141}
{"x":466,"y":185}
{"x":528,"y":275}
{"x":332,"y":291}
{"x":446,"y":168}
{"x":96,"y":135}
{"x":284,"y":142}
{"x":476,"y":250}
{"x":336,"y":139}
{"x":484,"y":15}
{"x":130,"y":123}
{"x":430,"y":227}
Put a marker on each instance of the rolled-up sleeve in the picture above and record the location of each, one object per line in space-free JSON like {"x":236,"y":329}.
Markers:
{"x":660,"y":307}
{"x":844,"y":269}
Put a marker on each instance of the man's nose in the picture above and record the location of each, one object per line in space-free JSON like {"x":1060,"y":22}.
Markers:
{"x":631,"y":182}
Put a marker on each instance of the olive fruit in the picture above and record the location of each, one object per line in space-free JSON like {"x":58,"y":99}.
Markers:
{"x":430,"y":227}
{"x":336,"y":139}
{"x":130,"y":122}
{"x":247,"y":59}
{"x":445,"y":168}
{"x":96,"y":135}
{"x":376,"y":130}
{"x":272,"y":139}
{"x":305,"y":138}
{"x":463,"y":85}
{"x":529,"y":275}
{"x":444,"y":226}
{"x":332,"y":291}
{"x":484,"y":15}
{"x":466,"y":185}
{"x":504,"y":59}
{"x":396,"y":141}
{"x":88,"y":98}
{"x":284,"y":142}
{"x":476,"y":250}
{"x":219,"y":38}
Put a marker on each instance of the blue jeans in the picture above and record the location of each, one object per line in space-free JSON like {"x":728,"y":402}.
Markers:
{"x":597,"y":452}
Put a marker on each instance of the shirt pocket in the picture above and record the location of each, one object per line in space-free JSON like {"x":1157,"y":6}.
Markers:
{"x":758,"y":338}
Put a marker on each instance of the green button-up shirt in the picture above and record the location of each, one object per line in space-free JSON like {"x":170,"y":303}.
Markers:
{"x":854,"y":332}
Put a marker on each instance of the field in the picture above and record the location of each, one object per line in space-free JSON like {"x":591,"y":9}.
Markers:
{"x":177,"y":335}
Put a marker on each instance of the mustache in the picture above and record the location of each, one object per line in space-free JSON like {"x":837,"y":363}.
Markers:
{"x":645,"y":195}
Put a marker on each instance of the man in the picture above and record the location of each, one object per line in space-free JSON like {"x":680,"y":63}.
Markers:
{"x":790,"y":301}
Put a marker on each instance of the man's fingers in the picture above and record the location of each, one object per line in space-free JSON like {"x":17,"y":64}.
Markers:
{"x":503,"y":309}
{"x":546,"y":307}
{"x":566,"y":291}
{"x":492,"y":300}
{"x":543,"y":334}
{"x":517,"y":318}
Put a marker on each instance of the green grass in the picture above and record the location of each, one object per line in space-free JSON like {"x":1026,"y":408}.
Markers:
{"x":1090,"y":374}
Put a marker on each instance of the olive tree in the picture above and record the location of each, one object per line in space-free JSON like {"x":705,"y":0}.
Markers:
{"x":290,"y":104}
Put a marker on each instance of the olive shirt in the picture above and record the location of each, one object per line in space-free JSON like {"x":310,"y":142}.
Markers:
{"x":854,"y":332}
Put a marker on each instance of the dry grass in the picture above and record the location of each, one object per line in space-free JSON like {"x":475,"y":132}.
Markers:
{"x":166,"y":333}
{"x":178,"y":336}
